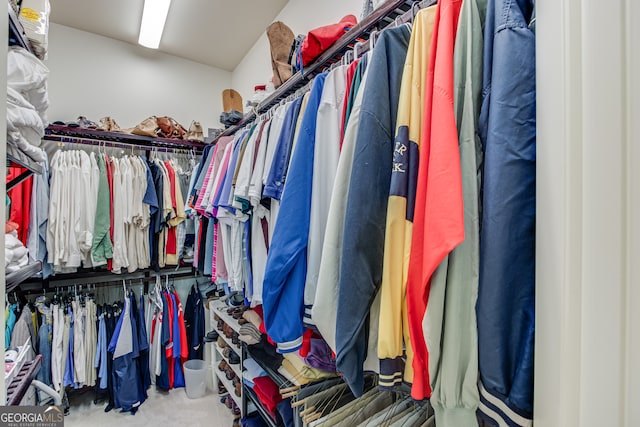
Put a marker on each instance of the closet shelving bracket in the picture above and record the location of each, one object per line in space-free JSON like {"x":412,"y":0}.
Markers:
{"x":31,"y":168}
{"x":17,"y":277}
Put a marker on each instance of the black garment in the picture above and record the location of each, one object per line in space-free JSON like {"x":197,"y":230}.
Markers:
{"x":110,"y":323}
{"x":156,"y":218}
{"x":162,"y":380}
{"x":203,"y":243}
{"x":286,"y":412}
{"x":266,"y":353}
{"x":143,"y":345}
{"x":194,"y":323}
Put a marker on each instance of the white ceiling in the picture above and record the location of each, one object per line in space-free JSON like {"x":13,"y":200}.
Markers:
{"x":213,"y":32}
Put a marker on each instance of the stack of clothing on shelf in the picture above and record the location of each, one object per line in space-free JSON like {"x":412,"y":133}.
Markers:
{"x":16,"y":254}
{"x":313,"y":362}
{"x":27,"y":104}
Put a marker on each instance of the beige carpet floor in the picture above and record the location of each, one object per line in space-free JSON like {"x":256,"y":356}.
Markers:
{"x":172,"y":409}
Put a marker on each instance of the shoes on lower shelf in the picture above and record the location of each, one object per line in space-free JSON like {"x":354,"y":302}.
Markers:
{"x":221,"y":343}
{"x":211,"y":336}
{"x":229,"y":373}
{"x":235,"y":338}
{"x":222,"y":390}
{"x":234,"y":359}
{"x":226,"y":352}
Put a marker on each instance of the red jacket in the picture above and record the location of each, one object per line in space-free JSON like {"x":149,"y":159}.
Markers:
{"x":438,"y":224}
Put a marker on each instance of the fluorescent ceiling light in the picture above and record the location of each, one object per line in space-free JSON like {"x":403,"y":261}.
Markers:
{"x":154,"y":16}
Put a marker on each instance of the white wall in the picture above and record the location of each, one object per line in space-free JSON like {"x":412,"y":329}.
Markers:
{"x":299,"y":15}
{"x":96,"y":76}
{"x":588,"y":223}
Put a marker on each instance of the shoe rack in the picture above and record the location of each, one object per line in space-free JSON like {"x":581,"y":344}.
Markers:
{"x":228,"y":330}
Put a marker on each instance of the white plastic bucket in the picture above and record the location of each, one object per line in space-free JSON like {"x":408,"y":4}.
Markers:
{"x":195,"y":378}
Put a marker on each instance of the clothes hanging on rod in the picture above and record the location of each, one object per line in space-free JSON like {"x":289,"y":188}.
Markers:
{"x":135,"y":215}
{"x":111,"y":346}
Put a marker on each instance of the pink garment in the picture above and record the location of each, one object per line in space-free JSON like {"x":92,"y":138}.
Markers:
{"x":205,"y":183}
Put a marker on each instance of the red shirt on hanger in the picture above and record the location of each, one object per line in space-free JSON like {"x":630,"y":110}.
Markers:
{"x":20,"y":196}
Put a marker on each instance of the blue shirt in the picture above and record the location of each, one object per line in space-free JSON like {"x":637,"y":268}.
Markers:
{"x":275,"y":182}
{"x":286,"y":269}
{"x":150,"y":196}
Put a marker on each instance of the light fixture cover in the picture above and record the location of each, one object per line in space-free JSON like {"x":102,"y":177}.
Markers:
{"x":154,"y":17}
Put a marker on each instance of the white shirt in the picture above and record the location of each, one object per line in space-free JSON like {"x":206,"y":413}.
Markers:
{"x":325,"y":164}
{"x":324,"y":311}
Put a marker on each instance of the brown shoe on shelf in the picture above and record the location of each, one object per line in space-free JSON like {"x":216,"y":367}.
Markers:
{"x":223,"y":365}
{"x":195,"y":132}
{"x":280,"y":39}
{"x":226,"y":352}
{"x":228,"y":331}
{"x":231,"y":100}
{"x":222,"y":343}
{"x":229,"y":373}
{"x":235,"y":338}
{"x":222,"y":390}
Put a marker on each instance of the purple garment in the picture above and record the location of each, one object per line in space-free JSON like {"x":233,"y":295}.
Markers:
{"x":320,"y":356}
{"x":225,"y":194}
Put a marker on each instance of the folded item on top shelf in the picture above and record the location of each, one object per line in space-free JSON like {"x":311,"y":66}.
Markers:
{"x":16,"y":255}
{"x":230,"y":118}
{"x":22,"y":117}
{"x":20,"y":148}
{"x":24,"y":152}
{"x":320,"y":39}
{"x":28,"y":76}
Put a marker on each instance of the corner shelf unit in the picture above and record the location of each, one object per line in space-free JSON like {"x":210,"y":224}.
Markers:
{"x":219,"y":308}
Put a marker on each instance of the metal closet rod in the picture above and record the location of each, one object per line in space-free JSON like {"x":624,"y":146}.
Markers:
{"x":115,"y":144}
